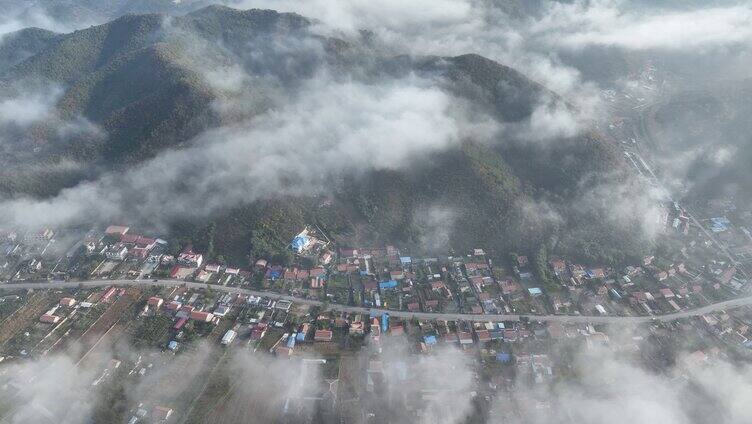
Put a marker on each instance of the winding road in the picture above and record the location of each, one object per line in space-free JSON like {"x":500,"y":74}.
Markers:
{"x":728,"y":304}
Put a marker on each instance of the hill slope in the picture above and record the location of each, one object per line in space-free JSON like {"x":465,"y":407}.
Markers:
{"x":147,"y":83}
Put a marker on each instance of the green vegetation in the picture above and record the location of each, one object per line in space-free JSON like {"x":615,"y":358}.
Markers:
{"x":152,"y":332}
{"x":139,"y":84}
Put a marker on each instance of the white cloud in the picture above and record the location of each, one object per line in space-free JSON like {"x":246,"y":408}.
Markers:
{"x":619,"y":23}
{"x":303,"y":146}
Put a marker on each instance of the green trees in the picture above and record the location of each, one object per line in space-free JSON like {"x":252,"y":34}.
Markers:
{"x":541,"y":268}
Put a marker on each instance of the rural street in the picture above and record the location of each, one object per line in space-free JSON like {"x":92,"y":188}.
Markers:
{"x":728,"y":304}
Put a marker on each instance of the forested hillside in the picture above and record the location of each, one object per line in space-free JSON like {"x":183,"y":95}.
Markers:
{"x":141,"y":82}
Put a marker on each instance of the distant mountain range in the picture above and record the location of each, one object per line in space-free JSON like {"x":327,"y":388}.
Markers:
{"x":134,"y":79}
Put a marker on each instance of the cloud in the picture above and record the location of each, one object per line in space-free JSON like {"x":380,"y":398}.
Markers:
{"x":328,"y":130}
{"x":28,"y":103}
{"x":552,"y":119}
{"x":436,"y":222}
{"x":628,"y":204}
{"x":54,"y":390}
{"x":622,"y":24}
{"x":20,"y":15}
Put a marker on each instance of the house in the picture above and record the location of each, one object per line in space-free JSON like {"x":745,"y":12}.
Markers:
{"x":67,"y":302}
{"x":221,"y":310}
{"x":577,"y":271}
{"x":290,"y":274}
{"x":596,"y":273}
{"x":201,"y":316}
{"x":437,"y":285}
{"x":179,"y":324}
{"x":558,"y":265}
{"x":475,"y":266}
{"x":258,"y":332}
{"x":465,"y":337}
{"x":212,"y":267}
{"x":108,"y":294}
{"x":348,"y":253}
{"x":509,"y":286}
{"x":155,"y":302}
{"x":323,"y":336}
{"x":386,"y":285}
{"x":190,"y":258}
{"x":261,"y":263}
{"x":181,"y":272}
{"x":667,"y":293}
{"x":396,"y":274}
{"x":38,"y":236}
{"x":116,"y":252}
{"x":118,"y":230}
{"x":49,"y":319}
{"x":301,"y":242}
{"x":229,"y":337}
{"x":173,"y":306}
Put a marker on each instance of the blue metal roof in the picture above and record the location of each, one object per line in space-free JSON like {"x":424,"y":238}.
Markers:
{"x":430,"y":340}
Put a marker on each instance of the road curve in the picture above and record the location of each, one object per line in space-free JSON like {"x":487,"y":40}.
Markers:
{"x":728,"y":304}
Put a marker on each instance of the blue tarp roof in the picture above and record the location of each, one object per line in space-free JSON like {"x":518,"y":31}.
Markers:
{"x":406,"y":259}
{"x":291,"y":341}
{"x":503,"y":357}
{"x":299,"y":242}
{"x":535,"y":291}
{"x":719,"y":224}
{"x":388,"y":284}
{"x":430,"y":340}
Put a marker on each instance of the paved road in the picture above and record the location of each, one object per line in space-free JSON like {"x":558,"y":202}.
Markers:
{"x":728,"y":304}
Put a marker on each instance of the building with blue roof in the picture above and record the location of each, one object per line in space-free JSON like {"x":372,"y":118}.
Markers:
{"x":385,"y":285}
{"x":384,"y":323}
{"x":300,"y":243}
{"x":430,"y":340}
{"x":719,"y":224}
{"x":503,"y":357}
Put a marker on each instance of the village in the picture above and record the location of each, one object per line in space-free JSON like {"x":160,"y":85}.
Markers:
{"x":299,"y":312}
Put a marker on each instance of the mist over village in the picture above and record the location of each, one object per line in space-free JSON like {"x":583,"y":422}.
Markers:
{"x":332,"y":211}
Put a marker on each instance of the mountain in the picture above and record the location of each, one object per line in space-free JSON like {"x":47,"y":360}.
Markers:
{"x":20,"y":45}
{"x":142,"y":80}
